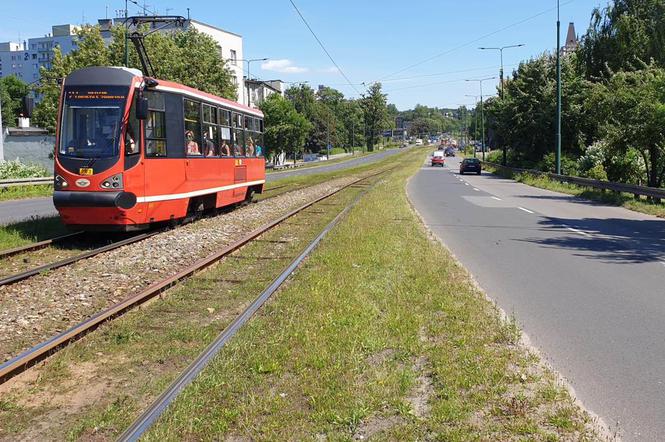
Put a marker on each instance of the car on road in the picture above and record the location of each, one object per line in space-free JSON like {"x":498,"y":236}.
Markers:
{"x":450,"y":151}
{"x":438,"y":158}
{"x":419,"y":142}
{"x":470,"y":165}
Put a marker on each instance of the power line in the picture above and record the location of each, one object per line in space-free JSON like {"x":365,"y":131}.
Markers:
{"x":427,"y":84}
{"x":324,"y":48}
{"x":440,"y":54}
{"x":445,"y":73}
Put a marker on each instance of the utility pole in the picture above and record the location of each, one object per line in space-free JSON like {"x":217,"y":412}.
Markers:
{"x":558,"y":91}
{"x":353,"y":136}
{"x":126,"y":37}
{"x":2,"y":135}
{"x":482,"y":114}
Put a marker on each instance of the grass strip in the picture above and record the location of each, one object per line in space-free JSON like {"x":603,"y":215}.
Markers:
{"x":22,"y":192}
{"x":94,"y":388}
{"x":380,"y":334}
{"x":620,"y":199}
{"x":32,"y":230}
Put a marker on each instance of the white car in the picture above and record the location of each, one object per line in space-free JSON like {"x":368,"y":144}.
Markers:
{"x":419,"y":142}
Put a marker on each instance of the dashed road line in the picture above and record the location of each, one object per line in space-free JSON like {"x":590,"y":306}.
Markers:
{"x":496,"y":198}
{"x":477,"y":190}
{"x":466,"y":184}
{"x":525,"y":210}
{"x":581,"y":232}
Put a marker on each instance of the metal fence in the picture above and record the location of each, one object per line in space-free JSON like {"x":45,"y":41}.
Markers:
{"x":25,"y":182}
{"x":637,"y":191}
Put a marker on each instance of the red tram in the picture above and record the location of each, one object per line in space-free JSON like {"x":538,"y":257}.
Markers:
{"x":132,"y":151}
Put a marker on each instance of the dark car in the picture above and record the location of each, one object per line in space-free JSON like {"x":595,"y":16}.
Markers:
{"x":470,"y":165}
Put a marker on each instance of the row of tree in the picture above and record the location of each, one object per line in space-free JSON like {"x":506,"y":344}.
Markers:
{"x":306,"y":120}
{"x":613,"y":105}
{"x":322,"y":118}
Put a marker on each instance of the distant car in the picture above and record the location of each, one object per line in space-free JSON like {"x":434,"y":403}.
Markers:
{"x":438,"y":158}
{"x":419,"y":142}
{"x":470,"y":165}
{"x":450,"y":151}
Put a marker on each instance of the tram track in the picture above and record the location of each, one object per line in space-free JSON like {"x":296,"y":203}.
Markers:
{"x":45,"y":348}
{"x":41,"y":245}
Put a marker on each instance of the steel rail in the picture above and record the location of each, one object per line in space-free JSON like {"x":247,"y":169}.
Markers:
{"x":20,"y":363}
{"x":36,"y":246}
{"x":157,"y":408}
{"x":57,"y":264}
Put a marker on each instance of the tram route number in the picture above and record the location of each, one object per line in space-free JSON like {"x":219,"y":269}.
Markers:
{"x":85,"y":171}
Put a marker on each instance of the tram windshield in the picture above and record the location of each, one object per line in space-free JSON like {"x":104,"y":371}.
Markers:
{"x":91,"y":122}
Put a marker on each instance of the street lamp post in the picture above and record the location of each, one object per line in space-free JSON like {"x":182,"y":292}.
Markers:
{"x":249,"y":61}
{"x":500,"y":49}
{"x":482,"y":112}
{"x":501,"y":53}
{"x":558,"y":91}
{"x":475,"y":111}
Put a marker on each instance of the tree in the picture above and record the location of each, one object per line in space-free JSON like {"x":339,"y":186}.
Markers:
{"x":373,"y":103}
{"x":525,"y":118}
{"x":286,"y":129}
{"x":12,"y":91}
{"x":623,"y":34}
{"x":188,"y":57}
{"x":631,"y":106}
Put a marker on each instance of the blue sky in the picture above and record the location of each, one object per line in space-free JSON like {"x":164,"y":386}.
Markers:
{"x":370,"y":40}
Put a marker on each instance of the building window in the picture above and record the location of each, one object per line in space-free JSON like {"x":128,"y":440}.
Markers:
{"x":34,"y":56}
{"x":234,"y":57}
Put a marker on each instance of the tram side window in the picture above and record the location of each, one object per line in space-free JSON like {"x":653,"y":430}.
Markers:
{"x":131,"y":130}
{"x":210,"y":131}
{"x":225,"y":141}
{"x":238,"y":143}
{"x":155,"y":126}
{"x":193,"y":128}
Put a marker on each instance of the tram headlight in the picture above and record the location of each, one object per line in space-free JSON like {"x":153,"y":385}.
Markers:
{"x":112,"y":182}
{"x":59,"y":182}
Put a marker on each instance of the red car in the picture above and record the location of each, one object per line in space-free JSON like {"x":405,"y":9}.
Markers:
{"x":438,"y":158}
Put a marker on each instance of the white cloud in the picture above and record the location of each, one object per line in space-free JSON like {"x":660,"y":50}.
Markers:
{"x":283,"y":65}
{"x":330,"y":70}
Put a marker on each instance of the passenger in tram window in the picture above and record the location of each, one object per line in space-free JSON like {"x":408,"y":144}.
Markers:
{"x":250,"y":147}
{"x":210,"y":150}
{"x":237,"y":150}
{"x":259,"y":150}
{"x":225,"y":150}
{"x":192,"y":146}
{"x":130,"y":145}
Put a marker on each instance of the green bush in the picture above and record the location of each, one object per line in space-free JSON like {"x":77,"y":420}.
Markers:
{"x":597,"y":172}
{"x":16,"y":169}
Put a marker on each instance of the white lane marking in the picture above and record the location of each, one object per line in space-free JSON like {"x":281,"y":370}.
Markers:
{"x":477,"y":190}
{"x":496,"y":198}
{"x":526,"y":210}
{"x":466,"y":184}
{"x":581,"y":232}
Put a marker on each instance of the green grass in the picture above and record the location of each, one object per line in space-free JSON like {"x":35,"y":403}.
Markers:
{"x":625,"y":200}
{"x":377,"y":315}
{"x":379,"y":333}
{"x":29,"y":231}
{"x":22,"y":192}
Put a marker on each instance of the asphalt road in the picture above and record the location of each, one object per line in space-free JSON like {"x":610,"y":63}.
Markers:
{"x":18,"y":210}
{"x":585,"y":281}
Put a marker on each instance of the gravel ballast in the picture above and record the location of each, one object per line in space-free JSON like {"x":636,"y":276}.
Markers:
{"x":39,"y":307}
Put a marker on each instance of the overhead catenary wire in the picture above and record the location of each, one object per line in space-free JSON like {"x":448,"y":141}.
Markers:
{"x":463,"y":45}
{"x":350,"y":83}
